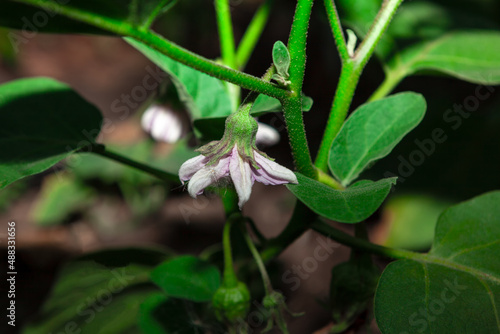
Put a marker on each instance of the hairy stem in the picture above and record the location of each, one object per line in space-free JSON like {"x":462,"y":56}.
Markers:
{"x":338,"y":34}
{"x":166,"y":47}
{"x":351,"y":71}
{"x":292,"y":106}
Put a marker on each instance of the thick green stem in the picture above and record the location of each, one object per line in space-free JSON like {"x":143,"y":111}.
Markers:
{"x":226,"y":37}
{"x":337,"y":32}
{"x":166,"y":47}
{"x":101,"y":150}
{"x":252,"y":34}
{"x":292,"y":106}
{"x":349,"y":77}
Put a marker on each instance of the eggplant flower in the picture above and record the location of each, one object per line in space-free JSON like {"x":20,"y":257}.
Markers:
{"x":163,"y":124}
{"x":235,"y":156}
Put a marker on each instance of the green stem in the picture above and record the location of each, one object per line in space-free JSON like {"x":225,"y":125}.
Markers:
{"x":379,"y":26}
{"x":103,"y":151}
{"x":258,"y":260}
{"x":230,"y":279}
{"x":337,"y":32}
{"x":292,"y":106}
{"x":392,"y":79}
{"x":361,"y":244}
{"x":225,"y":27}
{"x":349,"y":78}
{"x":329,"y":181}
{"x":166,"y":47}
{"x":160,"y":7}
{"x":252,"y":34}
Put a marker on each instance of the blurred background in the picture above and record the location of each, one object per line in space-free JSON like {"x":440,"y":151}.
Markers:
{"x":94,"y":204}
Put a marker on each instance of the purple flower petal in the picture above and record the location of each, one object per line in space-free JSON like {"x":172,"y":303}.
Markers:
{"x":271,"y":173}
{"x":208,"y":175}
{"x":241,"y":175}
{"x":191,"y":166}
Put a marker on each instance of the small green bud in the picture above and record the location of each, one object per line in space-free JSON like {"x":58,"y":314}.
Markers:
{"x":231,"y":304}
{"x":273,"y":300}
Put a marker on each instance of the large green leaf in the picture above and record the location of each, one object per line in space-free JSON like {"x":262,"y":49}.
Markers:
{"x":203,"y":95}
{"x":455,"y":288}
{"x":187,"y":277}
{"x":372,"y":132}
{"x":42,"y":121}
{"x":31,"y":19}
{"x":352,"y":205}
{"x":471,"y":56}
{"x":99,"y":293}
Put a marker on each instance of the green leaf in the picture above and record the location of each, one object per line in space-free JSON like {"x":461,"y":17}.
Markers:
{"x":281,"y":59}
{"x":203,"y":95}
{"x":42,"y":121}
{"x":409,"y":221}
{"x":187,"y":277}
{"x":30,"y":19}
{"x":99,"y":293}
{"x":470,"y":56}
{"x":455,"y":288}
{"x":352,"y":205}
{"x":265,"y":104}
{"x":371,"y":133}
{"x":60,"y":196}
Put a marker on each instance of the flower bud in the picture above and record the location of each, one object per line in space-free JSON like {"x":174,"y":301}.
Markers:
{"x":163,"y":124}
{"x":231,"y":303}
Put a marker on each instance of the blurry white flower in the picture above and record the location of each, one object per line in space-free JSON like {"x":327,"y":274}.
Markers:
{"x":163,"y":124}
{"x":266,"y":135}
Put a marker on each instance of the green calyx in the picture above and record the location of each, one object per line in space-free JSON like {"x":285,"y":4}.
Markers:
{"x":241,"y":129}
{"x":231,"y":303}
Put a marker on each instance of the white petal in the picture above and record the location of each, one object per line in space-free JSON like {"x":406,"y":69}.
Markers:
{"x":148,"y":117}
{"x":272,"y":173}
{"x":266,"y":135}
{"x":162,"y":123}
{"x":241,"y":174}
{"x":208,"y":175}
{"x":191,"y":166}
